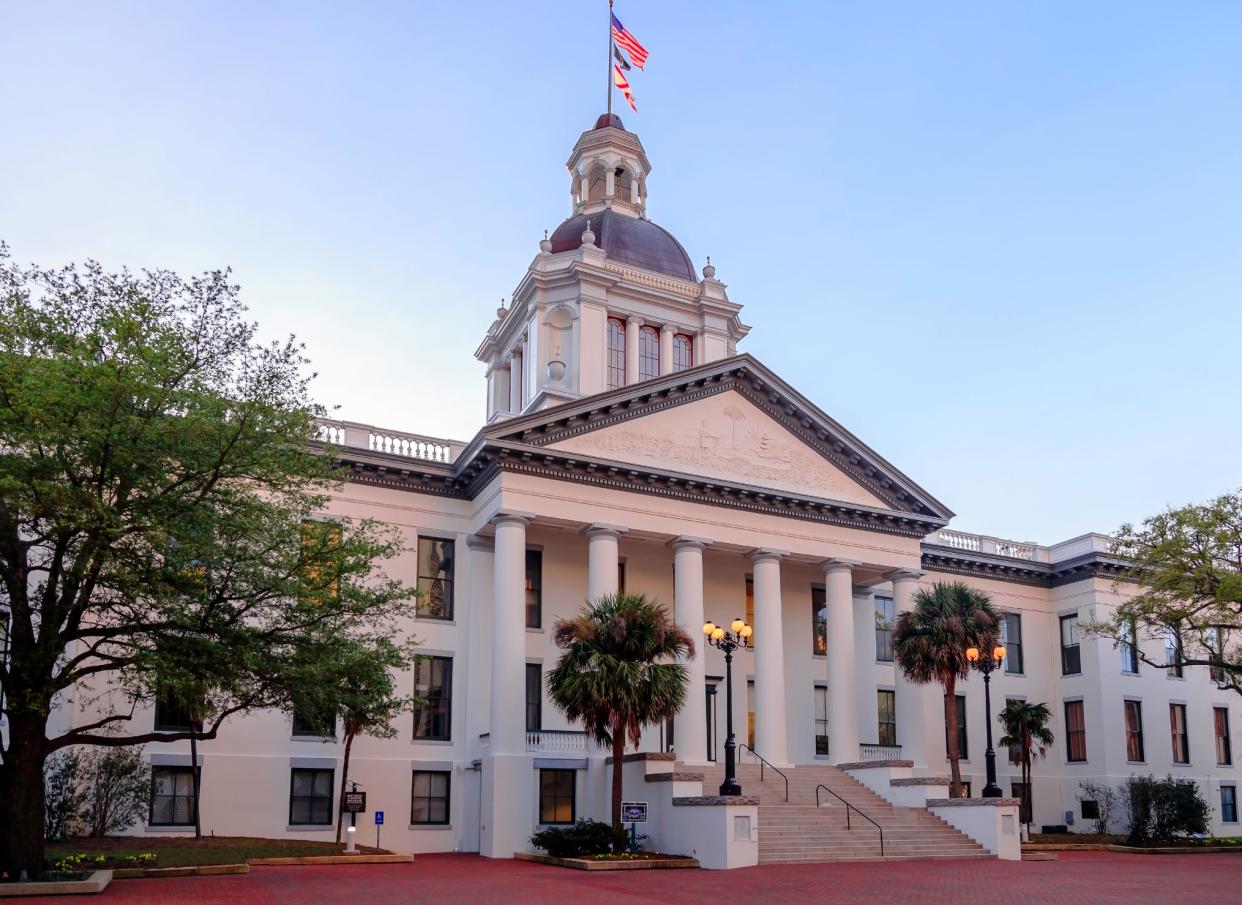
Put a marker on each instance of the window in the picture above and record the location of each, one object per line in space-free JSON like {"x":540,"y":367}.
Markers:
{"x":1075,"y":732}
{"x":319,"y":579}
{"x":1224,"y":750}
{"x":819,"y":622}
{"x":966,"y":790}
{"x":433,"y":683}
{"x":1173,"y":653}
{"x":886,"y":708}
{"x":821,"y":720}
{"x":648,"y":352}
{"x":1071,"y":656}
{"x":316,"y":725}
{"x":534,"y":697}
{"x":1018,"y":790}
{"x":1228,"y":804}
{"x":534,"y":588}
{"x":750,"y":606}
{"x":961,"y":728}
{"x":683,"y":352}
{"x":556,"y":796}
{"x":172,"y":796}
{"x":171,"y":718}
{"x":1134,"y":731}
{"x":310,"y":797}
{"x":1214,"y":638}
{"x":435,"y":578}
{"x":750,"y":713}
{"x":621,"y":577}
{"x":1177,"y":727}
{"x":616,"y":353}
{"x":1129,"y":648}
{"x":429,"y":799}
{"x":1089,"y":809}
{"x":1011,"y":638}
{"x":885,"y":615}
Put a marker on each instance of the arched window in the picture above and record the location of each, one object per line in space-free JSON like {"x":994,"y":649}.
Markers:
{"x":616,"y":353}
{"x":648,"y":353}
{"x":683,"y":351}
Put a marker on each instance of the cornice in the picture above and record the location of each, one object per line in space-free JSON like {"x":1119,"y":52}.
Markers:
{"x":937,"y":558}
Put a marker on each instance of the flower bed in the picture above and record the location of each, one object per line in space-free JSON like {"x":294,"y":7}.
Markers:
{"x":621,"y":861}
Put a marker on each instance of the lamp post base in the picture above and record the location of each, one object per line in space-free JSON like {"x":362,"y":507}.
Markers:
{"x":730,"y":787}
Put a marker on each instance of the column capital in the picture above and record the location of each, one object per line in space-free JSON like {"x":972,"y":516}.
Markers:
{"x":509,"y":517}
{"x":840,"y":565}
{"x":762,"y":554}
{"x":634,"y":319}
{"x":904,"y":574}
{"x":687,"y":542}
{"x":596,"y":529}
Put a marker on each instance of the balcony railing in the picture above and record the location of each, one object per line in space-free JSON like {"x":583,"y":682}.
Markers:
{"x":879,"y":752}
{"x":558,"y":741}
{"x":352,"y":435}
{"x":983,"y":543}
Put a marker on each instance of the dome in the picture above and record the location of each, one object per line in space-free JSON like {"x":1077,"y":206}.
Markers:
{"x":629,"y":240}
{"x":609,"y":119}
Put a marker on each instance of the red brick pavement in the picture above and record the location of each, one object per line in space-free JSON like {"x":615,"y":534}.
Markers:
{"x":1074,"y":879}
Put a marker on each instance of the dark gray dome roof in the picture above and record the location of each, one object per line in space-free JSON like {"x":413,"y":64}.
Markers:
{"x":630,"y":240}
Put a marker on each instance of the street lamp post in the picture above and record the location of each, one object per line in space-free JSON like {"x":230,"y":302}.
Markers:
{"x":729,"y":641}
{"x":985,"y":665}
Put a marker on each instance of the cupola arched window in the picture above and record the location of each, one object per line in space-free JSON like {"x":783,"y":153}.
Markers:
{"x":683,"y":351}
{"x":616,"y":353}
{"x":648,"y":352}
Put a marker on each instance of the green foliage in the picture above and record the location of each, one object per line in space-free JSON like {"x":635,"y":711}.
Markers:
{"x":117,"y":782}
{"x":1026,"y":728}
{"x":1184,"y":577}
{"x":617,"y":673}
{"x":930,"y":642}
{"x":158,"y":465}
{"x":584,"y":837}
{"x":64,"y":797}
{"x":1163,"y":809}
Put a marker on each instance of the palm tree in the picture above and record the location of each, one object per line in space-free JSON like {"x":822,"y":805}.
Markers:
{"x":929,"y":644}
{"x":1026,"y":727}
{"x":617,"y":673}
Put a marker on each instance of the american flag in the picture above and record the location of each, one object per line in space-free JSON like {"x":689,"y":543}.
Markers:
{"x":622,"y":82}
{"x":628,"y":42}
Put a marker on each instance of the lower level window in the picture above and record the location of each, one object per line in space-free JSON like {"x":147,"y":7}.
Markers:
{"x":1228,"y":804}
{"x":172,"y":796}
{"x":556,"y":796}
{"x":886,"y":708}
{"x":310,"y":797}
{"x":430,"y":802}
{"x":821,"y":720}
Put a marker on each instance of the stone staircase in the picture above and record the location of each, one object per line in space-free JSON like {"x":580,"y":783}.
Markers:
{"x":799,"y":831}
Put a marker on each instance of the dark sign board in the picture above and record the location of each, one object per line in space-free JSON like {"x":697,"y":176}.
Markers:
{"x":354,"y":802}
{"x":633,"y":812}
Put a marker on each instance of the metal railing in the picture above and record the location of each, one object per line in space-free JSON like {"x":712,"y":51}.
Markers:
{"x":849,"y":807}
{"x":763,"y":763}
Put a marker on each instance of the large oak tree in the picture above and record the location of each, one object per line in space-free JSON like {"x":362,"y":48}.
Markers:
{"x":161,"y":531}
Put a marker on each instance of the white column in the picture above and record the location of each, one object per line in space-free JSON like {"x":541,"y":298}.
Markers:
{"x":515,"y":382}
{"x":508,"y":723}
{"x":631,"y":349}
{"x":690,"y":724}
{"x":610,"y":183}
{"x":602,"y":559}
{"x":918,"y":706}
{"x":666,"y":350}
{"x":771,"y":738}
{"x":842,"y":710}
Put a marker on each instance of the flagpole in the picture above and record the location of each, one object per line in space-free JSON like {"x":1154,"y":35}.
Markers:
{"x":609,"y":58}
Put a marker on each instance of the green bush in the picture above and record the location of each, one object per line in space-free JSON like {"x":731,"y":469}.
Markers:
{"x":585,"y":837}
{"x":1161,"y":809}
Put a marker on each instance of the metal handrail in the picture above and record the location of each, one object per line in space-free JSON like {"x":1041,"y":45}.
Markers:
{"x":849,"y":807}
{"x":762,"y":762}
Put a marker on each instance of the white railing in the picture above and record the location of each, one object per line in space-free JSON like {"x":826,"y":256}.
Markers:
{"x":879,"y":752}
{"x":351,"y":435}
{"x":560,"y":741}
{"x":983,"y":543}
{"x":958,"y":541}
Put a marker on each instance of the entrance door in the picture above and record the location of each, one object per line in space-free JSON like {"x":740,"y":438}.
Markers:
{"x":710,"y":689}
{"x":750,"y":714}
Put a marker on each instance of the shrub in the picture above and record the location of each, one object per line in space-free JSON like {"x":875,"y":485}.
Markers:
{"x":64,"y":797}
{"x":1106,"y":798}
{"x":1163,"y":808}
{"x":585,"y":837}
{"x":117,"y":784}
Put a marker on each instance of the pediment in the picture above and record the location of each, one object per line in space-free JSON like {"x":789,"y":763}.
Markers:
{"x":724,"y":437}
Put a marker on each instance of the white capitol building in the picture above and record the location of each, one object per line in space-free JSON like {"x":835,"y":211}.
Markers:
{"x":629,"y":443}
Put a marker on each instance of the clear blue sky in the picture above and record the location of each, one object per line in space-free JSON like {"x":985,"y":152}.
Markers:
{"x":1001,"y":242}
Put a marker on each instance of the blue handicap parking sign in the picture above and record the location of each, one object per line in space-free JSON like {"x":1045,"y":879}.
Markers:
{"x":379,"y":818}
